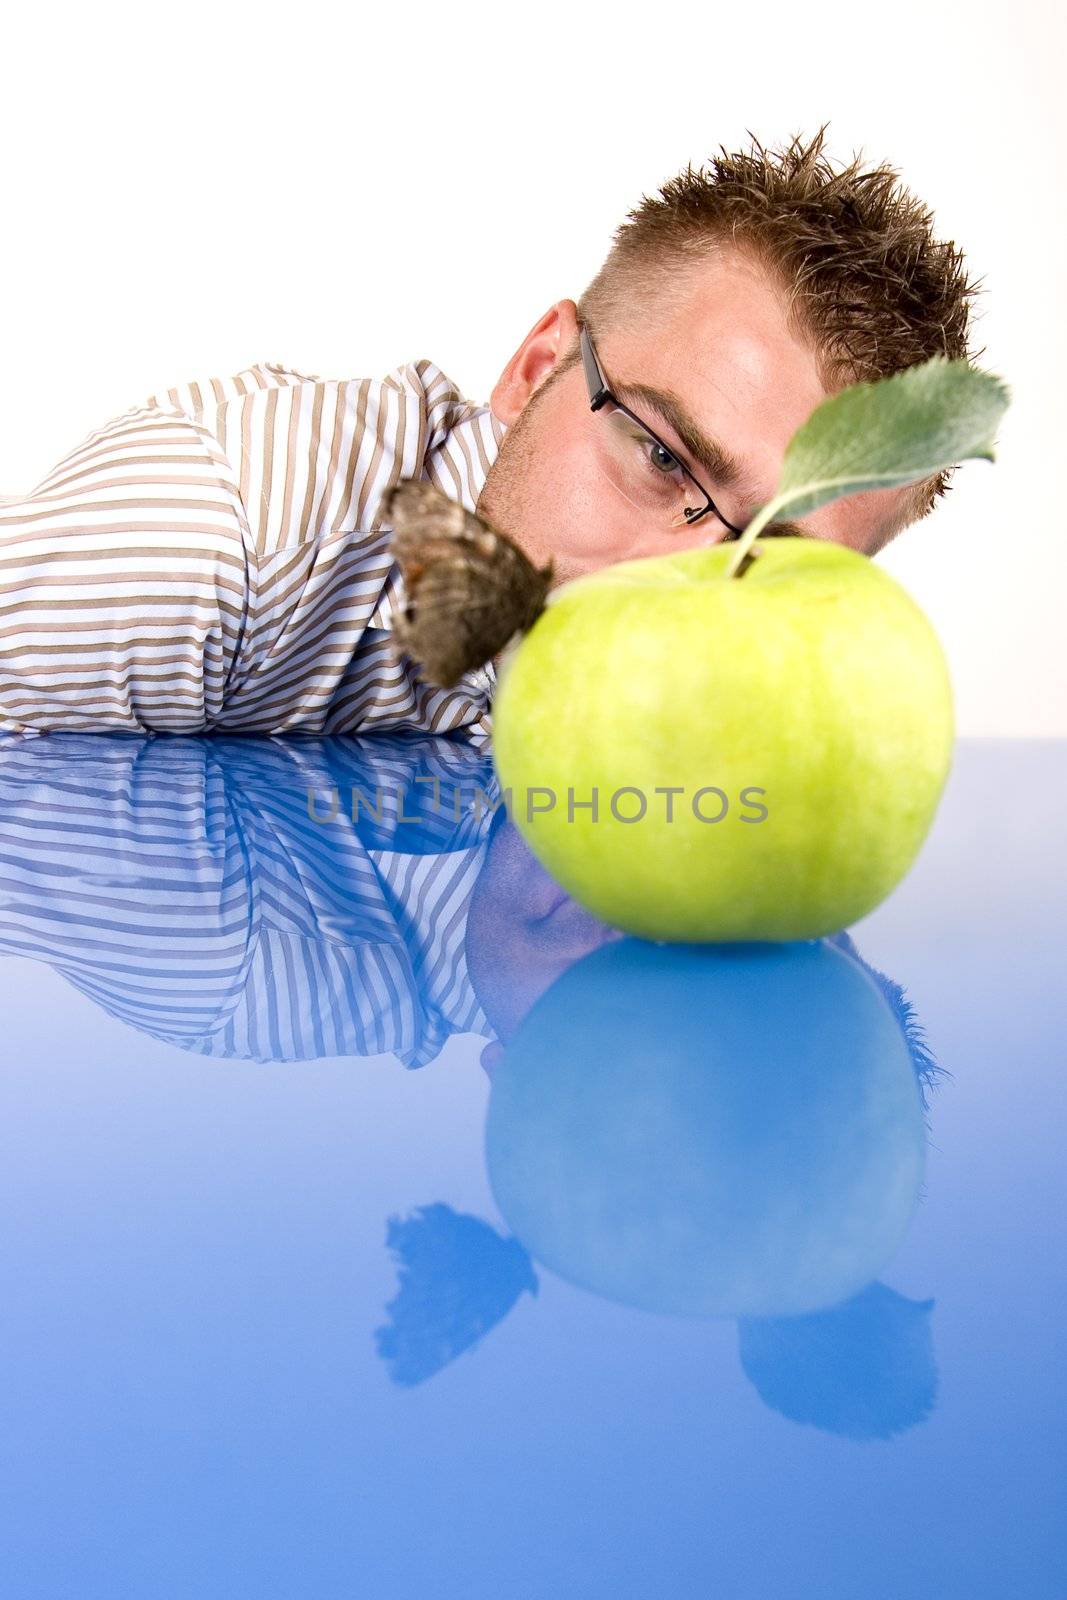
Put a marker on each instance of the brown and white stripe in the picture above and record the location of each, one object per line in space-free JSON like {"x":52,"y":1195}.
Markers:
{"x":213,"y":560}
{"x":182,"y":885}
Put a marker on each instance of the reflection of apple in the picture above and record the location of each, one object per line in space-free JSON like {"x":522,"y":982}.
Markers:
{"x":728,"y":1131}
{"x":811,"y":687}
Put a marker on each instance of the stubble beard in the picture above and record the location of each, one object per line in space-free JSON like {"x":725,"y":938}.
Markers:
{"x":505,"y":501}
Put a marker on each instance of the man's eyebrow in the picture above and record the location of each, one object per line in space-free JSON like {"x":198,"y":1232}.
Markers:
{"x":793,"y":529}
{"x":714,"y":457}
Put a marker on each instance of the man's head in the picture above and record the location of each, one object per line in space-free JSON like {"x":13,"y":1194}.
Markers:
{"x":522,"y":933}
{"x":745,"y":293}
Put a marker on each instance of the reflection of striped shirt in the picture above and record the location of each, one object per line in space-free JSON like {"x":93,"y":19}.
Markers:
{"x":213,"y":560}
{"x":182,"y":886}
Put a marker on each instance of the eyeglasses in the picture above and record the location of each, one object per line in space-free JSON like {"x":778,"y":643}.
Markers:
{"x":643,"y":469}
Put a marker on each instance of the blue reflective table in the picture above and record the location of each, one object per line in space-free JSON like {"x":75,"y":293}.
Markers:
{"x":355,"y":1241}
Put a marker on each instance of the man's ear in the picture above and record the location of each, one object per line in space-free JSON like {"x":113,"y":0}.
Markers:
{"x":533,"y":362}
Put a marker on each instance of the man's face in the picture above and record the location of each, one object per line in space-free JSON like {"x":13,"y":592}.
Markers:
{"x":522,"y":933}
{"x":720,"y":345}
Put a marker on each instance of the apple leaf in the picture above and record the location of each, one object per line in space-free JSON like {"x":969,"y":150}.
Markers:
{"x":885,"y":434}
{"x":895,"y":431}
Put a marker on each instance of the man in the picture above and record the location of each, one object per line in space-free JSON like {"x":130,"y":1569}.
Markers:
{"x":216,"y":559}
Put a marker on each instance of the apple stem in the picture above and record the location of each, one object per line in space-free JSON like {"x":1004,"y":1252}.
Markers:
{"x":741,"y":559}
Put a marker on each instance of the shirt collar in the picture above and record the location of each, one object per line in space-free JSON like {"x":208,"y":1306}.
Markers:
{"x":460,"y":464}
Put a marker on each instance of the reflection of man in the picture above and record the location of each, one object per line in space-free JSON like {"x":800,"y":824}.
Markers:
{"x":523,"y":932}
{"x":184,"y":887}
{"x":214,"y":558}
{"x":286,"y":899}
{"x":280,"y":899}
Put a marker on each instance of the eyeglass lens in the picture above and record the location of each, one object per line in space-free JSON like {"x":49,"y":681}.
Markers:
{"x":643,"y":470}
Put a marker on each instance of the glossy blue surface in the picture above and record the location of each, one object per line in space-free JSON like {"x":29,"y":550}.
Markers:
{"x":267,"y":1333}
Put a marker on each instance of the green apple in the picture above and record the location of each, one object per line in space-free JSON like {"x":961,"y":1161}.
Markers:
{"x":800,"y":713}
{"x":709,"y":1130}
{"x":765,"y":727}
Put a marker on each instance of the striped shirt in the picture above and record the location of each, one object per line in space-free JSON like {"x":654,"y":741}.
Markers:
{"x":184,"y":887}
{"x":214,"y":560}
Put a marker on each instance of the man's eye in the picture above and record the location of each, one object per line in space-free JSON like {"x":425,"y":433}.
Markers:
{"x":661,"y":458}
{"x":662,"y":468}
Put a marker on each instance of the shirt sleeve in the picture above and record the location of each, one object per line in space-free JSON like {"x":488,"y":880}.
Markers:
{"x":311,"y":459}
{"x":229,"y":897}
{"x":124,"y":583}
{"x":214,"y":560}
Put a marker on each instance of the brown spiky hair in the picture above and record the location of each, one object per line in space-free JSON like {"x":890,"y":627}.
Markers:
{"x":867,"y":284}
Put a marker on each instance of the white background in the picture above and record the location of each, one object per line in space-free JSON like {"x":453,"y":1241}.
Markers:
{"x":192,"y":188}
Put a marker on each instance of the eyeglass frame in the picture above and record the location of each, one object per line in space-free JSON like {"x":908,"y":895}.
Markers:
{"x":600,"y":393}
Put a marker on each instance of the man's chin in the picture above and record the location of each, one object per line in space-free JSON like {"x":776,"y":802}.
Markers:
{"x":491,"y":1056}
